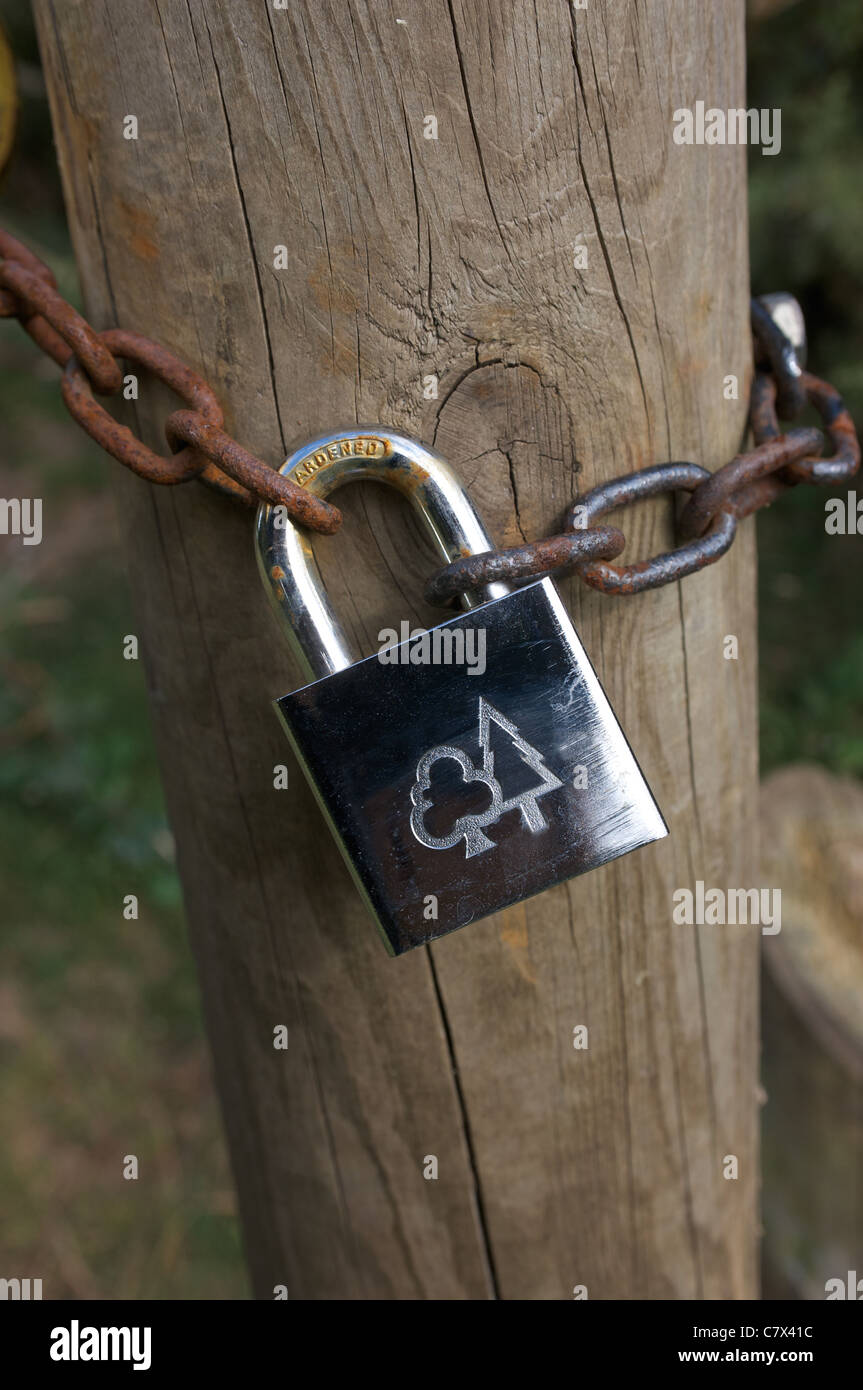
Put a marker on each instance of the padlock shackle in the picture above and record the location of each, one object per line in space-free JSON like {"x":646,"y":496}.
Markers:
{"x":285,"y":556}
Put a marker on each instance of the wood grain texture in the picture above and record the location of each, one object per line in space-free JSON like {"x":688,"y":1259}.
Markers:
{"x":408,"y":257}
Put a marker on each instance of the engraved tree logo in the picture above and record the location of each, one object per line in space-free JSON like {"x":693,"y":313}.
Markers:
{"x":470,"y":827}
{"x":525,"y":801}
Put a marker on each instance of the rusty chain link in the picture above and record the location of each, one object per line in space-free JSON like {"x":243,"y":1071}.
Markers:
{"x":200,"y":447}
{"x":717,"y":501}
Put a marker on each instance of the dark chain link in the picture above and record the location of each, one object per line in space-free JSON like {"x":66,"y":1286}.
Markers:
{"x":200,"y":447}
{"x":717,"y":501}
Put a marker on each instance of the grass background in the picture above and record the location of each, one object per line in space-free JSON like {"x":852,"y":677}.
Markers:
{"x":102,"y":1052}
{"x":101,"y":1042}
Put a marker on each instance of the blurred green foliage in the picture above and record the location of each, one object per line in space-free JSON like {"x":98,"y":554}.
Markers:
{"x":806,"y":208}
{"x":102,"y":1051}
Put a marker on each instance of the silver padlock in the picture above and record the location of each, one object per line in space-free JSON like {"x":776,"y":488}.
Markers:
{"x":452,"y":791}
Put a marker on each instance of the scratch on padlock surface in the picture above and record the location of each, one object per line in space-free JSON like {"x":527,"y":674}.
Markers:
{"x":572,"y":686}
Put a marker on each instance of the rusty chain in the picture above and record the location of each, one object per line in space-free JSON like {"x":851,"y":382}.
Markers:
{"x":717,"y":501}
{"x":200,"y":448}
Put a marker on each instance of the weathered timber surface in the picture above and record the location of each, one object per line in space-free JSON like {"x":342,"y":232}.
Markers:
{"x":304,"y":127}
{"x":812,"y":832}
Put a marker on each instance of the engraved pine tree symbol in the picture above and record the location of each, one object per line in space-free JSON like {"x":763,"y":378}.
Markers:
{"x":526,"y":801}
{"x":470,"y":827}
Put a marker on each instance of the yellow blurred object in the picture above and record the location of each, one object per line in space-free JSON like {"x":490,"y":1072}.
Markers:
{"x":8,"y":100}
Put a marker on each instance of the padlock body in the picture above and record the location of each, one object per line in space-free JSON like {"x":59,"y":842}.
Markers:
{"x":456,"y":788}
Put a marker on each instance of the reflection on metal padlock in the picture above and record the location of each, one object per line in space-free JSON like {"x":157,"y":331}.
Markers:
{"x":452,"y":792}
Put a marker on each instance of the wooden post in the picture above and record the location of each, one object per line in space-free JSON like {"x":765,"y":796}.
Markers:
{"x":812,"y":1018}
{"x":432,"y":177}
